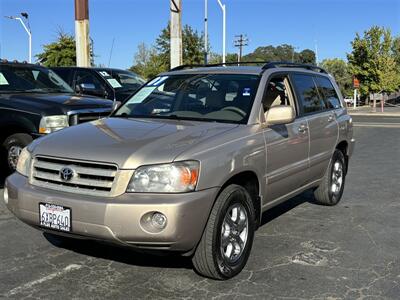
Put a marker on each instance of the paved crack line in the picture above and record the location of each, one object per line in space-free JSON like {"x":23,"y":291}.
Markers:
{"x":51,"y":276}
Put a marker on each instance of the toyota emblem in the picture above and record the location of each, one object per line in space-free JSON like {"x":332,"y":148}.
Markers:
{"x":66,"y":174}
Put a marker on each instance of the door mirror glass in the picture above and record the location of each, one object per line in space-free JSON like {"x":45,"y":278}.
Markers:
{"x":87,"y":86}
{"x":280,"y":114}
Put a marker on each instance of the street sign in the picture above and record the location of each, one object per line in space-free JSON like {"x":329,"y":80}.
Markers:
{"x":356,"y":82}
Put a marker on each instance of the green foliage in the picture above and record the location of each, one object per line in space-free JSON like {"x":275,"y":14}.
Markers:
{"x":147,"y":62}
{"x":281,"y":53}
{"x":59,"y":53}
{"x":373,"y":61}
{"x":158,"y":57}
{"x":340,"y":70}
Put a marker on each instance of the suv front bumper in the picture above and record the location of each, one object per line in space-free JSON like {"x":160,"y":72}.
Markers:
{"x":118,"y":219}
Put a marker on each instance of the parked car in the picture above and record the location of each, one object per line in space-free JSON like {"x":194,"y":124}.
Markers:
{"x":102,"y":82}
{"x":193,"y":176}
{"x":34,"y":101}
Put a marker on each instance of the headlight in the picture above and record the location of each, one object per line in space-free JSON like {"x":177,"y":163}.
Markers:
{"x":179,"y":177}
{"x":50,"y":124}
{"x":24,"y":162}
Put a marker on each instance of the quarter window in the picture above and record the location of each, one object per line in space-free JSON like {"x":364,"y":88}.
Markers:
{"x":308,"y":93}
{"x":328,"y":92}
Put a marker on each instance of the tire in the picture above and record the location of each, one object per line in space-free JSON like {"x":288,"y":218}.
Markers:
{"x":211,"y":258}
{"x":330,"y":190}
{"x":12,"y":147}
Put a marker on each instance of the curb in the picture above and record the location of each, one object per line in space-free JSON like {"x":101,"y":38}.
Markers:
{"x":371,"y":114}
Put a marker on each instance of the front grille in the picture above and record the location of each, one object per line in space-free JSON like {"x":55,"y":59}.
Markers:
{"x":88,"y":178}
{"x":78,"y":117}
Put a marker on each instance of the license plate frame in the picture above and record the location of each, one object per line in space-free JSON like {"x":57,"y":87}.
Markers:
{"x":55,"y":217}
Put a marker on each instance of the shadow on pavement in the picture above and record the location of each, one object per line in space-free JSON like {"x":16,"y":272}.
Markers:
{"x":156,"y":259}
{"x":286,"y":206}
{"x":120,"y":254}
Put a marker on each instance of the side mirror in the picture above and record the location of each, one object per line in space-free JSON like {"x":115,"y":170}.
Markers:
{"x":87,"y":86}
{"x":281,"y":114}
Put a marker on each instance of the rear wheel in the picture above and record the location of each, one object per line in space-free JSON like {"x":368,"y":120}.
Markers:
{"x":228,"y":237}
{"x":13,"y":146}
{"x":330,"y":190}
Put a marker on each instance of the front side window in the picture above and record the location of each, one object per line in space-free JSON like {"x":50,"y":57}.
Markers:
{"x":15,"y":78}
{"x":328,"y":92}
{"x":278,"y":93}
{"x":89,"y":79}
{"x":204,"y":97}
{"x":308,"y":93}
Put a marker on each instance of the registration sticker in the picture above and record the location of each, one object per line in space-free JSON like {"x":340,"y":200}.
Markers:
{"x":246,"y":92}
{"x":157,"y":81}
{"x":55,"y":217}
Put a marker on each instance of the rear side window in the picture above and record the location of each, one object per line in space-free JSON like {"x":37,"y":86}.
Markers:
{"x":328,"y":92}
{"x":308,"y":93}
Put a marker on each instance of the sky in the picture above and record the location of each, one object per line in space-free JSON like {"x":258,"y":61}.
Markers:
{"x":328,"y":24}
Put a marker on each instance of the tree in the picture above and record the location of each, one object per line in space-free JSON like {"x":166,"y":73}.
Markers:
{"x":283,"y":52}
{"x":373,"y":61}
{"x":396,"y":50}
{"x":147,"y":62}
{"x":192,"y":44}
{"x":59,"y":53}
{"x":340,"y":70}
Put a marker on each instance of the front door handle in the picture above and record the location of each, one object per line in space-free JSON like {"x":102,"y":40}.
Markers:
{"x":303,"y":128}
{"x":331,"y":118}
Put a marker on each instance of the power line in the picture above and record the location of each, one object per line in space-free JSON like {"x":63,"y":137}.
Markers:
{"x":241,"y":41}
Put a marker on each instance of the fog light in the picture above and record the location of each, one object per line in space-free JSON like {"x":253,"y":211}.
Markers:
{"x":5,"y":195}
{"x":158,"y":220}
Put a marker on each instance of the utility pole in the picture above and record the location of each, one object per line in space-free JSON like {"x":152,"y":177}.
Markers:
{"x":82,"y":33}
{"x":241,"y":41}
{"x":176,"y":33}
{"x":205,"y":32}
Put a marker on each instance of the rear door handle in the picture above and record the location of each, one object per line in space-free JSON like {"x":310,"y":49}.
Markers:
{"x":303,"y":128}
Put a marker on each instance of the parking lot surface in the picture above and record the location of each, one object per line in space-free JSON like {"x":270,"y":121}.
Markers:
{"x":302,"y":250}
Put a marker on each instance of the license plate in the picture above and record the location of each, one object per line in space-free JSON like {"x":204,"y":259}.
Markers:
{"x":55,"y":216}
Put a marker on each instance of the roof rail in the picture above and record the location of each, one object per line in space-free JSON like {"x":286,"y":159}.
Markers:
{"x":283,"y":64}
{"x":188,"y":66}
{"x":266,"y":65}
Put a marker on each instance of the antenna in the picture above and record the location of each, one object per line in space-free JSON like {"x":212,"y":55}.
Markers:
{"x":111,"y":51}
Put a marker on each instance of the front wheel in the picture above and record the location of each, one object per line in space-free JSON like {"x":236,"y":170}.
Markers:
{"x":227,"y":239}
{"x":13,"y":146}
{"x":330,"y":190}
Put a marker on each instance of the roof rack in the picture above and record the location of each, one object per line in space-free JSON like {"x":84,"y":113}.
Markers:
{"x":283,"y":64}
{"x":188,"y":66}
{"x":265,"y":65}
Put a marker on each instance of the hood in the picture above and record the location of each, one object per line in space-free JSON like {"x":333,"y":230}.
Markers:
{"x":62,"y":103}
{"x":129,"y":143}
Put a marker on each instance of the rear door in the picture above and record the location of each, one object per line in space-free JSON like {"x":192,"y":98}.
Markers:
{"x":321,"y":119}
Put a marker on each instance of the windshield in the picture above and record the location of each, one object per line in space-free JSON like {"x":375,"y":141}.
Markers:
{"x":120,"y":79}
{"x":204,"y":97}
{"x":22,"y":78}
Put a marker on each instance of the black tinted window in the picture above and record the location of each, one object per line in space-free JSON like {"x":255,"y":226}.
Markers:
{"x":64,"y":74}
{"x":328,"y":92}
{"x":308,"y":93}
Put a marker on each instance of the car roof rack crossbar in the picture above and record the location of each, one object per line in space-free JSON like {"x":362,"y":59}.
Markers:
{"x":189,"y":66}
{"x":283,"y":64}
{"x":265,"y":65}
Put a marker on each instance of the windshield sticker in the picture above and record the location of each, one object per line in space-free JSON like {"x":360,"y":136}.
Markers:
{"x":246,"y":92}
{"x":3,"y":80}
{"x":114,"y":83}
{"x":157,"y":81}
{"x":142,"y":94}
{"x":104,"y":74}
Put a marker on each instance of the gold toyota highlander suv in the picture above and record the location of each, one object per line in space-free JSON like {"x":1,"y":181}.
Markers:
{"x":190,"y":162}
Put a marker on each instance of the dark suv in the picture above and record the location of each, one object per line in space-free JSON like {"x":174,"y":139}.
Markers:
{"x":35,"y":101}
{"x":102,"y":82}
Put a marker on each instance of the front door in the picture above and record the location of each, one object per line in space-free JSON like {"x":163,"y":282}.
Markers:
{"x":287,"y":145}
